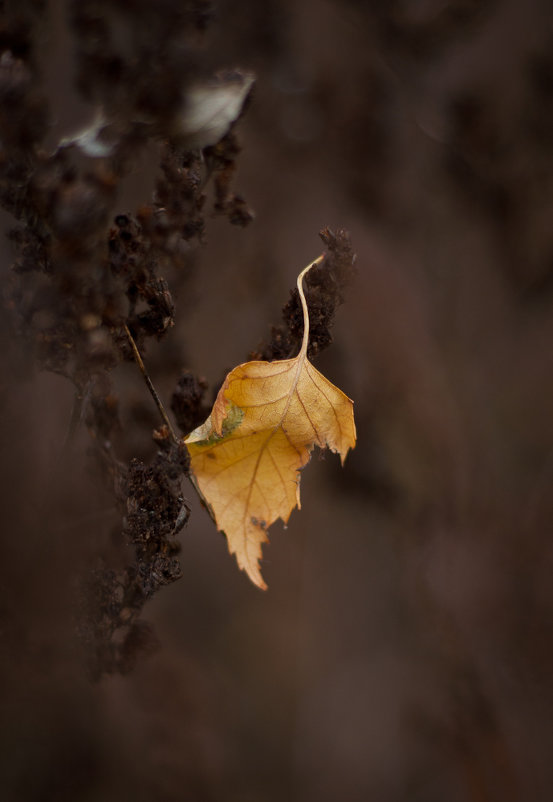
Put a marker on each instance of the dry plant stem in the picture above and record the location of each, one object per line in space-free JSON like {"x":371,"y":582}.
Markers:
{"x":76,"y":416}
{"x":151,"y":388}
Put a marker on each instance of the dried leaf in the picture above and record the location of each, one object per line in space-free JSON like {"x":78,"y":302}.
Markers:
{"x":246,"y":457}
{"x":90,"y":139}
{"x":211,"y":108}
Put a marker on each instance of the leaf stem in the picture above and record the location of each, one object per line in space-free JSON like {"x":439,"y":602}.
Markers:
{"x":305,"y":341}
{"x":151,"y":388}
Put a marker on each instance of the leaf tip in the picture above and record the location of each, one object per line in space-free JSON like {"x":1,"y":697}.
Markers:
{"x":343,"y":454}
{"x":254,"y":574}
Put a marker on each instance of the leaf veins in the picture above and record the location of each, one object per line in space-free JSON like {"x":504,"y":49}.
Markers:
{"x":247,"y":456}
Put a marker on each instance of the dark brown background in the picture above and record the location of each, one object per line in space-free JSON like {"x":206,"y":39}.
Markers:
{"x":404,"y":650}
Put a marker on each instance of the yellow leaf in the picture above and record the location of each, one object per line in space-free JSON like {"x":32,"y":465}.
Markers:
{"x":246,"y":458}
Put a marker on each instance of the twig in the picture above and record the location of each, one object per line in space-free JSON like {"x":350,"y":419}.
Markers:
{"x":76,"y":415}
{"x":149,"y":384}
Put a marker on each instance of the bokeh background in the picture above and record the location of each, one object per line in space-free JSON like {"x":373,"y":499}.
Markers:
{"x":404,"y":649}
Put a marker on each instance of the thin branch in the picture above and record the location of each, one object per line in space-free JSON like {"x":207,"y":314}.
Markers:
{"x":76,"y":416}
{"x":151,"y":388}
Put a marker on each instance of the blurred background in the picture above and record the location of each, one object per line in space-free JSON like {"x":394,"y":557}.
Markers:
{"x":404,"y":649}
